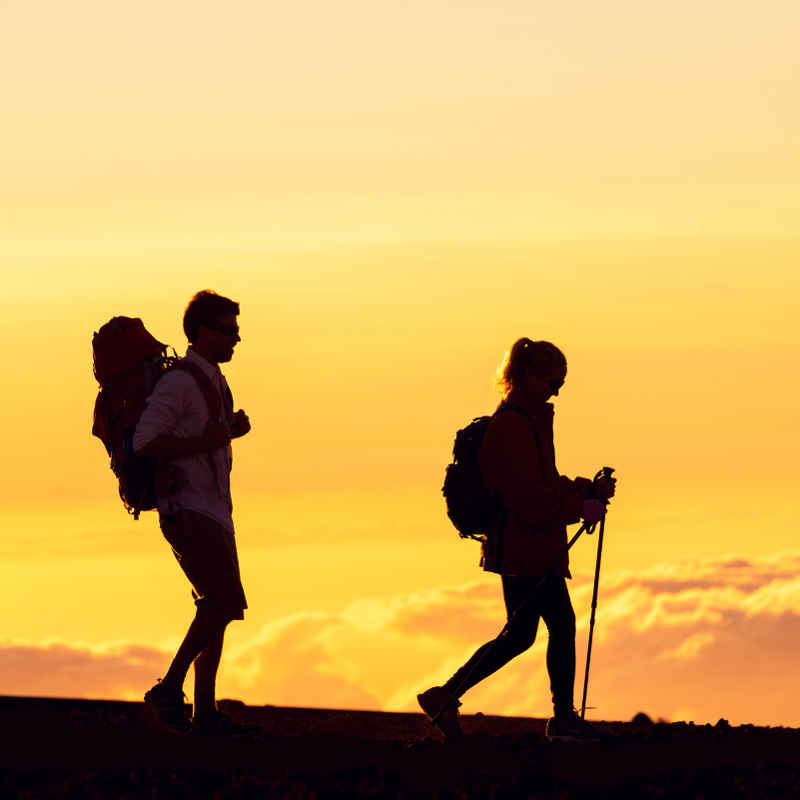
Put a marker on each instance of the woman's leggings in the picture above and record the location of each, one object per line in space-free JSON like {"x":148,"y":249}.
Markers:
{"x":524,"y":606}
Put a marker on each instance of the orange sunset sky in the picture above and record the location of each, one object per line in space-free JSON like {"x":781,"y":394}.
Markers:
{"x":394,"y":194}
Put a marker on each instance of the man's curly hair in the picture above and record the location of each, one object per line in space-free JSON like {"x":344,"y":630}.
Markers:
{"x":205,"y":308}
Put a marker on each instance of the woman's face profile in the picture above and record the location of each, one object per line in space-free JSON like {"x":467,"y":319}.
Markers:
{"x":540,"y":388}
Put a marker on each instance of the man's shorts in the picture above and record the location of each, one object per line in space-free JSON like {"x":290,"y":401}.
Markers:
{"x":207,"y":554}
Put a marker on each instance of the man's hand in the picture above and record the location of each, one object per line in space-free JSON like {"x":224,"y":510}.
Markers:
{"x":241,"y":424}
{"x":605,"y":488}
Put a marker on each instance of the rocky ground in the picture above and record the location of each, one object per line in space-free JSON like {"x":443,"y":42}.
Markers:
{"x":106,"y":749}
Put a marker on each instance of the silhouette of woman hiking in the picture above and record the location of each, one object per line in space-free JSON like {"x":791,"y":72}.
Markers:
{"x":526,"y":545}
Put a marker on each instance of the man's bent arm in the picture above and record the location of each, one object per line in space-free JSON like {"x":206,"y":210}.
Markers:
{"x":154,"y":437}
{"x":168,"y":446}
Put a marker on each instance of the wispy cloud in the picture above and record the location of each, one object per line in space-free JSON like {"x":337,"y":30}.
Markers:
{"x":705,"y":639}
{"x":56,"y":669}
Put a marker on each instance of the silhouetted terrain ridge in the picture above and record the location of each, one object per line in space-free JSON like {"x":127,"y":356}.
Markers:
{"x":86,"y":748}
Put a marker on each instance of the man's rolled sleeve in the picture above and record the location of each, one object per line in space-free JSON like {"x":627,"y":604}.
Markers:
{"x":160,"y":416}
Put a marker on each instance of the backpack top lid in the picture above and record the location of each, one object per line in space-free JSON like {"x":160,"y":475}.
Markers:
{"x":121,"y":344}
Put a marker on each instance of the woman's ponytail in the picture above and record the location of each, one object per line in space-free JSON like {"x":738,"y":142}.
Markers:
{"x":525,"y":355}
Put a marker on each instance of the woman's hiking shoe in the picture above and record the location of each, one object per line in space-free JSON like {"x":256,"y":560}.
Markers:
{"x":442,"y":710}
{"x":217,"y":723}
{"x":571,"y":728}
{"x":167,"y":708}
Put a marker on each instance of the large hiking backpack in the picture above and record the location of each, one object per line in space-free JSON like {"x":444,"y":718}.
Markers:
{"x":472,"y":508}
{"x":128,"y":362}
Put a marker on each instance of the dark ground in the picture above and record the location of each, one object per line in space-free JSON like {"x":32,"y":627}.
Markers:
{"x":107,"y":749}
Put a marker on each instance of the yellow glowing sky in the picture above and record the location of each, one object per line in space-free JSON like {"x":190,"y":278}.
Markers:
{"x":394,"y":196}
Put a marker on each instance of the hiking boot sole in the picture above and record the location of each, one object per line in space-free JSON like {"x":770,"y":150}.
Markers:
{"x":451,"y":732}
{"x":153,"y":717}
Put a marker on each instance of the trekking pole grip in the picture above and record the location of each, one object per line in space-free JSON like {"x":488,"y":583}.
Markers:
{"x":605,"y":472}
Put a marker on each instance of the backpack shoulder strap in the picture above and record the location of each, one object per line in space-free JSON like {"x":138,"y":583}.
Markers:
{"x":206,"y":387}
{"x":505,"y":406}
{"x":211,"y":395}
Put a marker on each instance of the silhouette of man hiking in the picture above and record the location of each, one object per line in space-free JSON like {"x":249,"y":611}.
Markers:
{"x":188,"y":424}
{"x":527,"y":543}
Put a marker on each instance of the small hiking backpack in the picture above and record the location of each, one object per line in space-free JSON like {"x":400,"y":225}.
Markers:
{"x":471,"y":507}
{"x":128,"y":363}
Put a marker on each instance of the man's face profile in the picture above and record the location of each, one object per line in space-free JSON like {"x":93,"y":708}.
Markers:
{"x":220,"y":339}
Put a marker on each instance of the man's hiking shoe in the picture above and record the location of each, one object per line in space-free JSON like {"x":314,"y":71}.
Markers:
{"x":217,"y":723}
{"x":442,"y":710}
{"x":167,"y":708}
{"x":572,"y":729}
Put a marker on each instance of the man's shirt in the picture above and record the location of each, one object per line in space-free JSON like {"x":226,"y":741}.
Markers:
{"x":178,"y":407}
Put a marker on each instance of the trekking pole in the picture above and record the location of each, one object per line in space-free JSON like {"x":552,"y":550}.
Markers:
{"x":605,"y":473}
{"x":585,"y":527}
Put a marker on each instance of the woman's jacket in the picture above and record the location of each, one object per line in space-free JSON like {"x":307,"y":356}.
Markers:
{"x":517,"y":461}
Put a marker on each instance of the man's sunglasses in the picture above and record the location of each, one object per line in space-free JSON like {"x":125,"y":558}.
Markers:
{"x":556,"y":383}
{"x":226,"y":330}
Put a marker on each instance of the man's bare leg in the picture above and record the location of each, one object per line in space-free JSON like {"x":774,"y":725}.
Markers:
{"x":205,"y":675}
{"x":208,"y":721}
{"x":204,"y":631}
